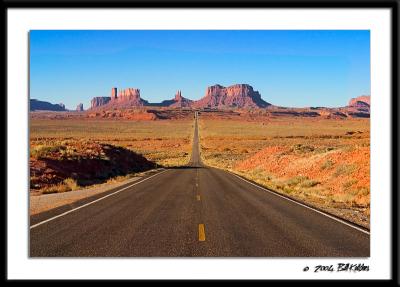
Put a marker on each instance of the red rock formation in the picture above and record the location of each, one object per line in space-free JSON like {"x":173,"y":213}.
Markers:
{"x":114,"y":93}
{"x":180,"y":102}
{"x":178,"y":96}
{"x":128,"y":98}
{"x":99,"y":101}
{"x":359,"y":107}
{"x":237,"y":96}
{"x":125,"y":99}
{"x":79,"y":107}
{"x":128,"y":95}
{"x":361,"y":101}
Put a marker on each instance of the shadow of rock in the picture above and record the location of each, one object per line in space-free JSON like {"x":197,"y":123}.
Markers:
{"x":117,"y":161}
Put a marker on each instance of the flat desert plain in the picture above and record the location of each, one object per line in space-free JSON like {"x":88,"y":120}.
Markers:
{"x":102,"y":150}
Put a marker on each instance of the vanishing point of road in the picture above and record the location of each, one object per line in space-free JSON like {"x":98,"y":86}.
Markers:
{"x":191,"y":211}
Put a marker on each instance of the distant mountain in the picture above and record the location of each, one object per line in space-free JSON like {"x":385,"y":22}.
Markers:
{"x":36,"y":105}
{"x":217,"y":96}
{"x":236,"y":96}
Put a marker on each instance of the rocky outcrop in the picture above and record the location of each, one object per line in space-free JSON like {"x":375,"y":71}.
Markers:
{"x":127,"y":98}
{"x":114,"y":93}
{"x":359,"y":107}
{"x":361,"y":101}
{"x":79,"y":107}
{"x":236,"y":96}
{"x":178,"y":96}
{"x":36,"y":105}
{"x":181,"y":102}
{"x":99,"y":101}
{"x":177,"y":102}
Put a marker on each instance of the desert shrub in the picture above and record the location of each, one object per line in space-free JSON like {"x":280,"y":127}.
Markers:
{"x":310,"y":183}
{"x":349,"y":183}
{"x":349,"y":148}
{"x":287,"y":190}
{"x":344,"y":169}
{"x":363,"y":191}
{"x":296,"y":180}
{"x":300,"y":148}
{"x":215,"y":155}
{"x":57,"y":188}
{"x":71,"y":183}
{"x":362,"y":201}
{"x":41,"y":151}
{"x":118,"y":178}
{"x":343,"y":197}
{"x":327,"y":164}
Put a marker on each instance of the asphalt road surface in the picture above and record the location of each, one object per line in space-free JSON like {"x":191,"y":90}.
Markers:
{"x":195,"y":211}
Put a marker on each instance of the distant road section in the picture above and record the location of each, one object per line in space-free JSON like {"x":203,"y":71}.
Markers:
{"x":196,"y":211}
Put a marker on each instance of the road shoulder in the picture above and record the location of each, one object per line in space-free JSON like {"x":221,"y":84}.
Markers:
{"x":45,"y":206}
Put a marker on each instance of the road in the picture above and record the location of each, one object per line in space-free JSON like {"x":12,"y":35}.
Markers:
{"x":195,"y":211}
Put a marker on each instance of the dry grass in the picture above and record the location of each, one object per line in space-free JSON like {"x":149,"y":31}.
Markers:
{"x":168,"y":143}
{"x":325,"y":162}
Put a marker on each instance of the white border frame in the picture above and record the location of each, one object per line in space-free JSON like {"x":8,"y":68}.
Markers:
{"x":20,"y":21}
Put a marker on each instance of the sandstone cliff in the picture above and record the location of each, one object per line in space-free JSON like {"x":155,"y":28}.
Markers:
{"x":127,"y":98}
{"x":99,"y":101}
{"x":361,"y":101}
{"x":359,"y":107}
{"x":236,"y":96}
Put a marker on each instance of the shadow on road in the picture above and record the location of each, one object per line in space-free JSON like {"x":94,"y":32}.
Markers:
{"x":185,"y":167}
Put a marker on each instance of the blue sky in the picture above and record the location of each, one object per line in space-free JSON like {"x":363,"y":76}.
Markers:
{"x":289,"y":68}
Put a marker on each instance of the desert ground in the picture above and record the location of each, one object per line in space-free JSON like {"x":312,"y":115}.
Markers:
{"x":59,"y":142}
{"x":323,"y":162}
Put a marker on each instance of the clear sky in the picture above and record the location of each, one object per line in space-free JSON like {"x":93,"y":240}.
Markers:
{"x":288,"y":68}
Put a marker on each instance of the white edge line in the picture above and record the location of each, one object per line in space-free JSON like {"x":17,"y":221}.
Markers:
{"x":94,"y":201}
{"x":320,"y":212}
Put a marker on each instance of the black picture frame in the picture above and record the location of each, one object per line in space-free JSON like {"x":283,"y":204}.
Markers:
{"x":283,"y":4}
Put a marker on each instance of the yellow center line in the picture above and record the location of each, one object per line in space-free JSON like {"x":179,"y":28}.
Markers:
{"x":202,"y":233}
